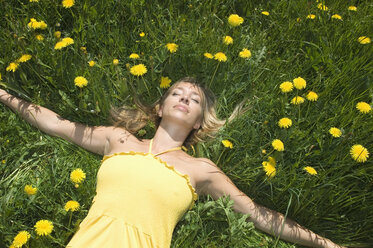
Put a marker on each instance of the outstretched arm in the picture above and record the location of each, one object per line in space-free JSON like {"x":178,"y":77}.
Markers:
{"x":218,"y":185}
{"x":94,"y":139}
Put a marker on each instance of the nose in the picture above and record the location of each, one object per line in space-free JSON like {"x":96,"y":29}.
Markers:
{"x":184,"y":99}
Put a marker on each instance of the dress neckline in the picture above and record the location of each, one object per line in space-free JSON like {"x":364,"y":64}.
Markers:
{"x":159,"y":153}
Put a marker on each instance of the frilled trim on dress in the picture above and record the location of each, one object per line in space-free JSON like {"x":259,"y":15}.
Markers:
{"x":186,"y":177}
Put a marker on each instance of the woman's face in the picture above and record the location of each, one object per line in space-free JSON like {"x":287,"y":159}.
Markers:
{"x":183,"y":105}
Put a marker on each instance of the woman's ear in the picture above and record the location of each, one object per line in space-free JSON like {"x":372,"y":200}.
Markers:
{"x":160,"y":112}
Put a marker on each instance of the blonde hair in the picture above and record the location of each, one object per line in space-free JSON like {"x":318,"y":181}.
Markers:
{"x":133,"y":119}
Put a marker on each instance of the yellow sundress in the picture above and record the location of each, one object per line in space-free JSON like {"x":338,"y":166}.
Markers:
{"x":139,"y":200}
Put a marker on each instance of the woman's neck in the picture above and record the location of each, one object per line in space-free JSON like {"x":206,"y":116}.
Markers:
{"x":169,"y":136}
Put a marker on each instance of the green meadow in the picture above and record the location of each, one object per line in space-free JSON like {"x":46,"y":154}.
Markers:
{"x":322,"y":178}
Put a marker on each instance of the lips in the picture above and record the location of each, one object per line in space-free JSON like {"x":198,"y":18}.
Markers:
{"x":182,"y":108}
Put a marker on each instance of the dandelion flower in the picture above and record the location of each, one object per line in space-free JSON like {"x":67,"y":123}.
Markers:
{"x":363,"y":107}
{"x":220,"y":57}
{"x":311,"y":16}
{"x":30,"y":190}
{"x":3,"y":161}
{"x":228,"y":40}
{"x":264,"y":151}
{"x":43,"y":227}
{"x":312,"y":96}
{"x":72,"y":206}
{"x":165,"y":82}
{"x":24,"y":58}
{"x":208,"y":55}
{"x":278,"y":145}
{"x":39,"y":37}
{"x":359,"y":153}
{"x":269,"y":169}
{"x":364,"y":40}
{"x":265,"y":13}
{"x":34,"y":1}
{"x":245,"y":53}
{"x":21,"y":238}
{"x":115,"y":61}
{"x":68,"y":3}
{"x":64,"y":43}
{"x":297,"y":100}
{"x":322,"y":7}
{"x":286,"y":86}
{"x":227,"y":143}
{"x":77,"y":176}
{"x":336,"y":16}
{"x":298,"y":19}
{"x":235,"y":20}
{"x":57,"y":34}
{"x":172,"y":47}
{"x":299,"y":83}
{"x":134,"y":56}
{"x":138,"y":70}
{"x":352,"y":8}
{"x":310,"y":170}
{"x":80,"y":81}
{"x":34,"y":24}
{"x":12,"y":67}
{"x":91,"y":63}
{"x":285,"y":122}
{"x":335,"y":132}
{"x":142,"y":34}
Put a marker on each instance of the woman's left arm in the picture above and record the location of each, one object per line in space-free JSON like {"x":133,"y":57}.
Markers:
{"x":217,"y":184}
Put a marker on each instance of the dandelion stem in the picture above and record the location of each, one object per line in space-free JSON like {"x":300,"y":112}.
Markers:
{"x":216,"y":69}
{"x":71,"y":214}
{"x":146,"y":86}
{"x":217,"y":162}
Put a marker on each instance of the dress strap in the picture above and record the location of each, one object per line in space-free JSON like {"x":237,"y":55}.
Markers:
{"x":168,"y":150}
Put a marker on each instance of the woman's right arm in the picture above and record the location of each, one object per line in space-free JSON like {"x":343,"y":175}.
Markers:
{"x":95,"y":139}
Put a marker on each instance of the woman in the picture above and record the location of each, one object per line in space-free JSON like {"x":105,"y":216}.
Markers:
{"x":144,"y":187}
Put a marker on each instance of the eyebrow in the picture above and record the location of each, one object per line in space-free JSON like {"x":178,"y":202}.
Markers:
{"x":193,"y":92}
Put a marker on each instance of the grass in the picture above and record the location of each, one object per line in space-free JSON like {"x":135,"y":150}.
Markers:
{"x":336,"y":203}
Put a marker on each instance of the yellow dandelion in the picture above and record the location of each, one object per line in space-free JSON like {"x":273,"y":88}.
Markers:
{"x":134,"y":56}
{"x":363,"y":107}
{"x":278,"y":145}
{"x":312,"y":96}
{"x":359,"y":153}
{"x":39,"y":37}
{"x":352,"y":8}
{"x":83,"y":49}
{"x":298,"y":19}
{"x":208,"y":55}
{"x":24,"y":58}
{"x":57,"y":34}
{"x":80,"y":81}
{"x":43,"y":227}
{"x":364,"y":40}
{"x":115,"y":61}
{"x":335,"y":132}
{"x":220,"y":57}
{"x":286,"y":87}
{"x":172,"y":47}
{"x":285,"y":122}
{"x":72,"y":206}
{"x":310,"y":170}
{"x":76,"y":185}
{"x":142,"y":34}
{"x":245,"y":53}
{"x":138,"y":70}
{"x":322,"y":7}
{"x":165,"y":82}
{"x":30,"y":190}
{"x":336,"y":16}
{"x":68,"y":3}
{"x":299,"y":83}
{"x":264,"y":151}
{"x":12,"y":67}
{"x":235,"y":20}
{"x":265,"y":13}
{"x":228,"y":40}
{"x":21,"y":238}
{"x":34,"y":1}
{"x":3,"y":161}
{"x":34,"y":24}
{"x":227,"y":143}
{"x":91,"y":63}
{"x":311,"y":16}
{"x":269,"y":169}
{"x":77,"y":176}
{"x":68,"y":41}
{"x":297,"y":100}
